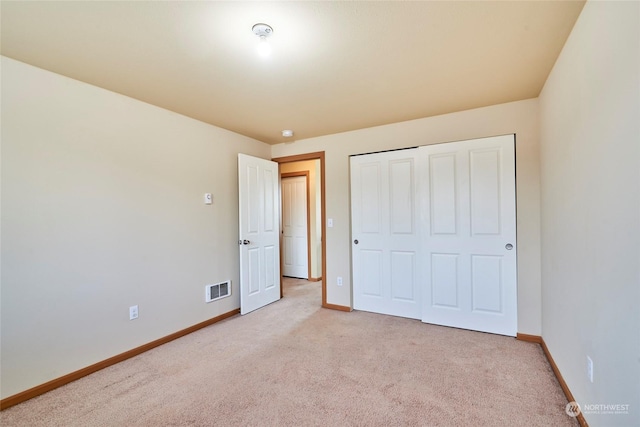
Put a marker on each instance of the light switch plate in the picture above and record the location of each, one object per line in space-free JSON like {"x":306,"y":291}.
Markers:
{"x":208,"y":199}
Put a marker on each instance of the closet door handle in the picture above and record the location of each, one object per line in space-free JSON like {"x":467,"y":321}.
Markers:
{"x":356,"y":241}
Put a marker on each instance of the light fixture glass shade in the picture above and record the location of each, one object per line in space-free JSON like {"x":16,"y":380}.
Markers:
{"x":264,"y":48}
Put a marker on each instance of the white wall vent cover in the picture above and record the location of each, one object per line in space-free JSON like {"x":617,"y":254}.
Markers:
{"x":217,"y":291}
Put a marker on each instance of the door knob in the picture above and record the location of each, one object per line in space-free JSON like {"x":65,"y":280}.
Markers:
{"x":356,"y":241}
{"x":243,"y":242}
{"x":508,"y":246}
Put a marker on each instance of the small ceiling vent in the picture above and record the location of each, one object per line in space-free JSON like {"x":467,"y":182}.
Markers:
{"x":217,"y":291}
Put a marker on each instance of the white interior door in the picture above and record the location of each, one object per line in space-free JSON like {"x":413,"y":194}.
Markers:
{"x":259,"y":232}
{"x":469,"y":240}
{"x":385,"y":235}
{"x":294,"y":227}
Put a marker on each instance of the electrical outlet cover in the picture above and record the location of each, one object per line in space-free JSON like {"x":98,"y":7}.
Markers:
{"x":133,"y":312}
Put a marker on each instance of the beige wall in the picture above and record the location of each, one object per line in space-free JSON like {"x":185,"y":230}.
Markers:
{"x":313,"y":166}
{"x":590,"y":158}
{"x":102,"y":208}
{"x":520,"y":118}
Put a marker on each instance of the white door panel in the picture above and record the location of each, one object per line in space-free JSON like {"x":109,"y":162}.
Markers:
{"x":259,"y":240}
{"x":443,"y":206}
{"x":403,"y":274}
{"x":468,"y":206}
{"x":385,"y":233}
{"x":370,"y":273}
{"x":294,"y":227}
{"x":484,"y":171}
{"x":444,"y":280}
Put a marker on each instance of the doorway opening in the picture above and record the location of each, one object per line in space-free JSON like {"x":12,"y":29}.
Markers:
{"x":314,"y":164}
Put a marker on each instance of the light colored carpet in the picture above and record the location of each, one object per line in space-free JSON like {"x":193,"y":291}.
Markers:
{"x":294,"y":363}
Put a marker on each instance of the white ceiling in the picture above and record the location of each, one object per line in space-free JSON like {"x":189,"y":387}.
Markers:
{"x":336,"y":66}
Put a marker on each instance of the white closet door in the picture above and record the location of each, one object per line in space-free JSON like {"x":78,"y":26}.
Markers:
{"x":467,"y":205}
{"x":385,"y":236}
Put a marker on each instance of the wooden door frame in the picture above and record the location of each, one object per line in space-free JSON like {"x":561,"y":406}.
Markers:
{"x":319,"y":155}
{"x":304,"y":174}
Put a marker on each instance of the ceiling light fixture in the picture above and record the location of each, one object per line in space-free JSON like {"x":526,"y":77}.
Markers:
{"x":263,"y":31}
{"x":287,"y":133}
